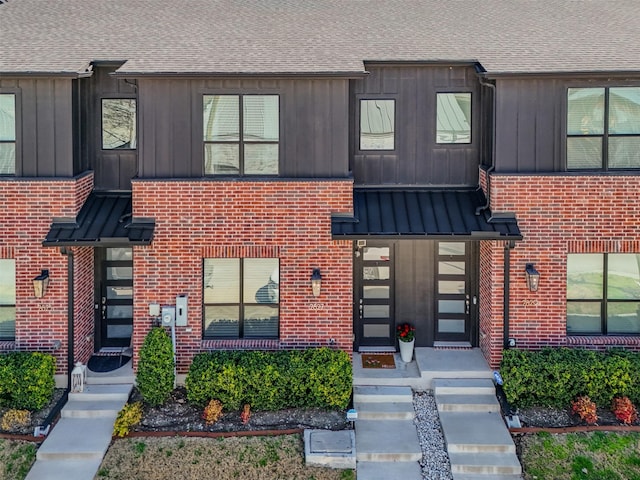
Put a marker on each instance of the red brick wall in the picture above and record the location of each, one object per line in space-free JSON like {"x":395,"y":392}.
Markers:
{"x":286,"y":219}
{"x":29,"y":205}
{"x":560,"y":214}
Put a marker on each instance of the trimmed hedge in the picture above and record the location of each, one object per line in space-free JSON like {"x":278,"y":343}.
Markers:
{"x":26,"y":380}
{"x":156,"y":373}
{"x":554,"y":377}
{"x":271,"y":380}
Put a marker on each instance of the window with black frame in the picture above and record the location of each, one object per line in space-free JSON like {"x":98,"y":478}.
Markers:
{"x":241,"y":134}
{"x":603,"y":294}
{"x":119,"y":124}
{"x":603,"y":128}
{"x":7,"y":299}
{"x":453,"y":118}
{"x":241,"y":298}
{"x":7,"y":134}
{"x":377,"y":124}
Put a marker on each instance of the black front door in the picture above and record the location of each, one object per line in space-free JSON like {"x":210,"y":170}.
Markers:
{"x":454,"y":301}
{"x":114,"y":292}
{"x":374,"y":306}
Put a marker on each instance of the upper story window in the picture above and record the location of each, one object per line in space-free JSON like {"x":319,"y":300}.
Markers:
{"x":241,"y":297}
{"x":377,"y":124}
{"x":119,"y":123}
{"x":7,"y":299}
{"x":603,"y":294}
{"x":603,"y":128}
{"x":241,"y":134}
{"x":7,"y":134}
{"x":453,"y":118}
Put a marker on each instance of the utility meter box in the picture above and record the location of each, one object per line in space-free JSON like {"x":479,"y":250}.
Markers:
{"x":168,"y":316}
{"x":181,"y":310}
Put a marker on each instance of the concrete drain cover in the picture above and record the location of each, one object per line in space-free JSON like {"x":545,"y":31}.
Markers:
{"x":331,"y":442}
{"x":330,"y":449}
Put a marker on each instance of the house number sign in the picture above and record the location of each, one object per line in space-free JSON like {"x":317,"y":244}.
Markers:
{"x":316,"y":306}
{"x":530,"y":303}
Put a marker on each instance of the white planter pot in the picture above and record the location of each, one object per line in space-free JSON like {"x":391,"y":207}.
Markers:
{"x":406,"y":350}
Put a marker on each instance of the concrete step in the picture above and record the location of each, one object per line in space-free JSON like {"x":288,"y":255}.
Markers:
{"x":96,"y":379}
{"x":388,"y":470}
{"x":376,"y":393}
{"x":96,"y":409}
{"x":385,"y":411}
{"x":387,"y":441}
{"x":476,"y":433}
{"x":467,"y":403}
{"x":485,"y":463}
{"x":463,"y":386}
{"x":63,"y":469}
{"x":102,"y":392}
{"x":77,"y":439}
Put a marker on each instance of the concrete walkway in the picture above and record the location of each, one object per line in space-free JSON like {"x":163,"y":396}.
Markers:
{"x":76,"y":445}
{"x":478,"y":442}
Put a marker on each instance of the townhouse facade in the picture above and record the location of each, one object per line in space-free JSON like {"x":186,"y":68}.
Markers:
{"x":275,"y":175}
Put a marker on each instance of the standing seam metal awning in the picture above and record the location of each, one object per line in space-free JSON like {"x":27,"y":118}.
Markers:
{"x":105,"y":219}
{"x":435,"y":214}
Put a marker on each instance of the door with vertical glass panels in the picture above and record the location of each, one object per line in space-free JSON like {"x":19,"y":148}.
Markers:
{"x":453,"y":300}
{"x":115,"y":305}
{"x":374,"y":295}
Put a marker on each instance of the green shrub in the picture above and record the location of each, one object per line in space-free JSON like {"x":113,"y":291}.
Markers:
{"x":553,"y":377}
{"x":128,"y":417}
{"x":156,"y":374}
{"x":271,"y":380}
{"x":27,"y":379}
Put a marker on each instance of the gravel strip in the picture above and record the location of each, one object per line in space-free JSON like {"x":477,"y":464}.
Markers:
{"x":435,"y":460}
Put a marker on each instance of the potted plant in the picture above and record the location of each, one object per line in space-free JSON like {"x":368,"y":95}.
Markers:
{"x":406,"y":334}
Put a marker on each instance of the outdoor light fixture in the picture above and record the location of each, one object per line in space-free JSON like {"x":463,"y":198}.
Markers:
{"x":40,"y":284}
{"x":533,"y":277}
{"x":316,"y":280}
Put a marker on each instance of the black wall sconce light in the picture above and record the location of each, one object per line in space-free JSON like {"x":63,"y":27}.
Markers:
{"x":40,"y":284}
{"x":533,"y":277}
{"x":316,"y":281}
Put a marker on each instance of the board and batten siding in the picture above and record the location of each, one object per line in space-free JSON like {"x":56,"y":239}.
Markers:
{"x":417,"y":158}
{"x":44,"y":121}
{"x":313,"y":124}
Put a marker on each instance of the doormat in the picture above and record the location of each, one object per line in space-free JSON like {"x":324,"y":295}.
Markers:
{"x":106,"y":363}
{"x":378,"y":360}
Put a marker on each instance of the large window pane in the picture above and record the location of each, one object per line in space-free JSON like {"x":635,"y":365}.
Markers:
{"x":584,"y":152}
{"x":261,"y":321}
{"x":7,"y":158}
{"x":377,"y":124}
{"x":585,"y":111}
{"x":624,"y":152}
{"x":7,"y":323}
{"x":584,"y":317}
{"x":118,"y":123}
{"x":624,"y":110}
{"x":261,"y":118}
{"x":453,"y":118}
{"x":261,"y":159}
{"x":7,"y":299}
{"x":585,"y":276}
{"x":261,"y":280}
{"x":221,"y":118}
{"x":221,"y":280}
{"x":623,"y":318}
{"x":7,"y":117}
{"x":221,"y":159}
{"x":623,"y":276}
{"x":222,"y":321}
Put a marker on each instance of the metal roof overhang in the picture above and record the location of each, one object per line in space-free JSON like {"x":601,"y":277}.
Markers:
{"x":105,"y":219}
{"x":429,"y":214}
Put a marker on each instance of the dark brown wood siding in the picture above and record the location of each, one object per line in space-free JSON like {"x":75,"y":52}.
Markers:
{"x":313,"y":124}
{"x":417,"y":159}
{"x":44,"y":117}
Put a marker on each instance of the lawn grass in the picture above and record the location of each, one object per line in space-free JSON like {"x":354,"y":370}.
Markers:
{"x":250,"y":458}
{"x":581,"y":456}
{"x":16,"y":459}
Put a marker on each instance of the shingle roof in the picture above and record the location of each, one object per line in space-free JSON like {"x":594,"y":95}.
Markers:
{"x":420,"y":213}
{"x":316,"y":36}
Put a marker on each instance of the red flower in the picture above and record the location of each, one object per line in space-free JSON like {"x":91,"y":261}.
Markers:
{"x":405,"y":332}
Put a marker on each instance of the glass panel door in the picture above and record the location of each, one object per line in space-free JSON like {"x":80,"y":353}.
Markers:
{"x":116,"y":300}
{"x":374,"y":295}
{"x":452,"y":292}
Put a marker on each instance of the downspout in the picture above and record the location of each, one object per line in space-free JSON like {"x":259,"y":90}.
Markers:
{"x":70,"y":313}
{"x":507,"y":267}
{"x":492,"y":167}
